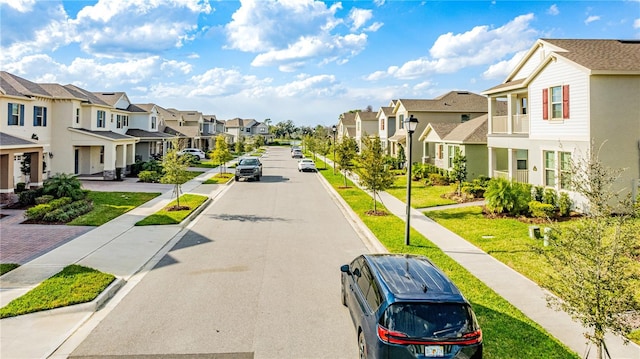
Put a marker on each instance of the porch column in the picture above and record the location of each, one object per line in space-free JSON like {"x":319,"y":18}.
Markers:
{"x":109,"y":172}
{"x":492,"y":102}
{"x":511,"y":104}
{"x":492,"y":160}
{"x":511,"y":159}
{"x":35,"y":175}
{"x":6,"y":177}
{"x":131,"y":157}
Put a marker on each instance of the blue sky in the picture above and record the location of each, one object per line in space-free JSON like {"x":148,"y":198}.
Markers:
{"x":300,"y":60}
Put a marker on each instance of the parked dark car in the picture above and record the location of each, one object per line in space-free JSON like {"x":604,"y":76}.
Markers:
{"x":403,"y":306}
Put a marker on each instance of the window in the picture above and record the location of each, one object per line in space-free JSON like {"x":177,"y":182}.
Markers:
{"x":118,"y":121}
{"x":102,"y":117}
{"x":401,"y":121}
{"x":464,"y":118}
{"x":263,"y":130}
{"x":565,"y":170}
{"x":125,"y":121}
{"x":39,"y":116}
{"x":382,"y":124}
{"x":523,"y":105}
{"x":452,"y":154}
{"x":556,"y":101}
{"x":77,"y":115}
{"x":439,"y":151}
{"x":16,"y":115}
{"x":153,"y":122}
{"x":549,"y":168}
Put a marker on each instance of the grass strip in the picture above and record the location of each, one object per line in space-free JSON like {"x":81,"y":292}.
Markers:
{"x":73,"y":285}
{"x":508,"y":333}
{"x":167,"y":216}
{"x":109,"y":205}
{"x":218,"y":178}
{"x":7,"y":267}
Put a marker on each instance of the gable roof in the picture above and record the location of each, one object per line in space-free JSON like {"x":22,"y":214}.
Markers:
{"x":453,"y":101}
{"x":12,"y":85}
{"x":387,"y":111}
{"x":87,"y":96}
{"x":111,"y":98}
{"x":367,"y":116}
{"x":7,"y":140}
{"x":470,"y":132}
{"x":600,"y":55}
{"x":348,"y":118}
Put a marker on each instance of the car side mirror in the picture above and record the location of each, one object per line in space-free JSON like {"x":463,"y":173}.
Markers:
{"x":345,"y":269}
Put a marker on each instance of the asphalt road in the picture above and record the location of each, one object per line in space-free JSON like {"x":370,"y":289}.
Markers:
{"x":257,"y":276}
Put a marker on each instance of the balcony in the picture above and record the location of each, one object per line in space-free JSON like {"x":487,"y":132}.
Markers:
{"x":519,"y":124}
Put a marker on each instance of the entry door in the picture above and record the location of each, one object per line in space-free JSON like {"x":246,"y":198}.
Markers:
{"x":76,"y":165}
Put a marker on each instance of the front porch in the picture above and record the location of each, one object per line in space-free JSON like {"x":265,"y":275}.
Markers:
{"x":509,"y":163}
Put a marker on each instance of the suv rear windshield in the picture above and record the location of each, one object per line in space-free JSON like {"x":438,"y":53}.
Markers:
{"x":430,"y":320}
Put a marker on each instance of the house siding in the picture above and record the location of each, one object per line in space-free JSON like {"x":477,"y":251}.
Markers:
{"x":477,"y":159}
{"x":576,"y":127}
{"x":533,"y":62}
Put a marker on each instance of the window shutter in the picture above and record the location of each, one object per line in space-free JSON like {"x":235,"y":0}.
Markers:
{"x":10,"y":114}
{"x":21,"y":115}
{"x":44,"y":117}
{"x":565,"y":101}
{"x":545,"y":104}
{"x":35,"y":116}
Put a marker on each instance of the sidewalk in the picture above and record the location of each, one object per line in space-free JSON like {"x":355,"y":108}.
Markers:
{"x":519,"y":290}
{"x":117,"y":247}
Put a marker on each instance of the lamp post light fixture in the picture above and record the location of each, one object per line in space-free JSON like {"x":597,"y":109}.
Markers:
{"x":410,"y":124}
{"x":334,"y":129}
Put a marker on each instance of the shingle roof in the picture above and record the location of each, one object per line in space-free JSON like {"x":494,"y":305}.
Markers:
{"x":367,"y":116}
{"x":13,"y":85}
{"x":604,"y":55}
{"x":387,"y":111}
{"x":472,"y":131}
{"x":349,"y":118}
{"x":86,"y":95}
{"x":454,"y":101}
{"x":108,"y":134}
{"x":147,"y":134}
{"x":59,"y":91}
{"x":8,"y":140}
{"x":110,"y":97}
{"x":442,"y":128}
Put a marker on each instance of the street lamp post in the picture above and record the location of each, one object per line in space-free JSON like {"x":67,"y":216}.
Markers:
{"x":334,"y":129}
{"x":410,"y":124}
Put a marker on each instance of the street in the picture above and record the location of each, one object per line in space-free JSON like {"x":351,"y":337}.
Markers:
{"x":256,"y":276}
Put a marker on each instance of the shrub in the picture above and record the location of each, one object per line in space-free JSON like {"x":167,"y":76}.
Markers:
{"x":550,"y":197}
{"x":538,"y":193}
{"x":21,"y":187}
{"x":477,"y":187}
{"x":564,"y":204}
{"x":40,"y":211}
{"x":64,"y":185}
{"x":507,"y":197}
{"x":541,"y":210}
{"x":190,"y":159}
{"x":68,"y":212}
{"x":149,"y":176}
{"x":437,"y":179}
{"x":28,"y":197}
{"x":152,"y":165}
{"x":44,"y":199}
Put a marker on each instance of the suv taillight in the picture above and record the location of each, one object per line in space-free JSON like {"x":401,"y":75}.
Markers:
{"x":393,"y":337}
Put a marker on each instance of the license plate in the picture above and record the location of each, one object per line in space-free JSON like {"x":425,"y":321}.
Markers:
{"x":433,"y":351}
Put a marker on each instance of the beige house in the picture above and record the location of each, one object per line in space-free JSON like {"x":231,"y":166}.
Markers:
{"x":563,"y":96}
{"x":247,"y":128}
{"x":452,"y":107}
{"x":346,"y":126}
{"x":366,"y":126}
{"x":386,"y":126}
{"x":145,"y":124}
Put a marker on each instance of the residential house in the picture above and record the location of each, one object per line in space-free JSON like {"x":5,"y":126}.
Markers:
{"x":247,"y":128}
{"x":145,"y":124}
{"x":566,"y":99}
{"x":386,"y":126}
{"x":346,"y":126}
{"x":366,"y":125}
{"x":452,"y":107}
{"x":467,"y":138}
{"x":187,"y":126}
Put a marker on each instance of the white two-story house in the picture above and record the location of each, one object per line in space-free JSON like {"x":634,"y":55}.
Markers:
{"x":386,"y":126}
{"x":566,"y":98}
{"x":366,"y":126}
{"x":145,"y":124}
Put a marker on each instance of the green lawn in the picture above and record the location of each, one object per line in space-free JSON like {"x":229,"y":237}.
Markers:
{"x":7,"y":267}
{"x":508,"y":333}
{"x":109,"y":205}
{"x":165,"y":216}
{"x":422,"y":196}
{"x":73,"y":285}
{"x":207,"y":163}
{"x":218,"y":178}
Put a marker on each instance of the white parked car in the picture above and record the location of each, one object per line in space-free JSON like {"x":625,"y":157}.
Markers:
{"x":306,"y":164}
{"x":193,"y":151}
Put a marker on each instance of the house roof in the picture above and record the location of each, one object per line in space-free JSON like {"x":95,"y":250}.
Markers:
{"x":469,"y":132}
{"x":105,"y":134}
{"x":453,"y":101}
{"x":12,"y":85}
{"x":110,"y":98}
{"x":7,"y":140}
{"x":602,"y":55}
{"x":62,"y":92}
{"x":148,"y":135}
{"x":367,"y":116}
{"x":87,"y":96}
{"x":185,"y":131}
{"x":238,"y":122}
{"x":348,"y":118}
{"x":440,"y":128}
{"x":387,"y":111}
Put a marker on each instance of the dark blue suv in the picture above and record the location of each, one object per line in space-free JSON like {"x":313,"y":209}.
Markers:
{"x":403,"y":306}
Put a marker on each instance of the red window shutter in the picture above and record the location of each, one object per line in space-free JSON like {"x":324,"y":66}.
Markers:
{"x":545,"y":104}
{"x":565,"y":101}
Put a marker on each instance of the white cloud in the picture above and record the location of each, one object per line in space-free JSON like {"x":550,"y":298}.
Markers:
{"x":591,"y":19}
{"x":502,"y":69}
{"x":19,"y":5}
{"x":289,"y":34}
{"x":636,"y":24}
{"x":359,"y":17}
{"x":553,"y":10}
{"x":478,"y":46}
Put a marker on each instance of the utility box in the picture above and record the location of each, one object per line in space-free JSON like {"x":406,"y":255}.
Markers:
{"x":534,"y":232}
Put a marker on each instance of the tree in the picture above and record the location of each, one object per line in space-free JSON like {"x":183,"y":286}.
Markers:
{"x":64,"y":185}
{"x":259,"y":141}
{"x":25,"y":167}
{"x":459,"y":172}
{"x":324,"y":146}
{"x":402,"y":157}
{"x":374,"y":174}
{"x":596,"y":260}
{"x":346,"y":151}
{"x":175,"y":172}
{"x":221,"y":153}
{"x":239,"y":146}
